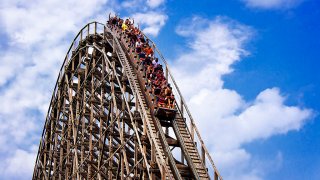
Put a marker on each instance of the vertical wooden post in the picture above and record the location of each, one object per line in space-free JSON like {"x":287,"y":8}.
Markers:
{"x":61,"y":150}
{"x":78,"y":99}
{"x":81,"y":36}
{"x":182,"y":157}
{"x":153,"y":158}
{"x":203,"y":155}
{"x":164,"y":173}
{"x":45,"y":154}
{"x":88,"y":33}
{"x":182,"y":116}
{"x":136,"y":154}
{"x":167,"y":73}
{"x":122,"y":129}
{"x":91,"y":123}
{"x":56,"y":138}
{"x":144,"y":147}
{"x":83,"y":124}
{"x":192,"y":130}
{"x":68,"y":133}
{"x":216,"y":176}
{"x":181,"y":107}
{"x":113,"y":105}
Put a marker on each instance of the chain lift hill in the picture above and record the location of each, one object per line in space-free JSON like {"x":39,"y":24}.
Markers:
{"x":116,"y":112}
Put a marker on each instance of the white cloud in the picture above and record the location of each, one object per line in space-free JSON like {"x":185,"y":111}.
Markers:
{"x":133,"y":4}
{"x":272,"y":4}
{"x":149,"y":15}
{"x":215,"y":47}
{"x":226,"y":120}
{"x":140,"y":4}
{"x":150,"y":22}
{"x":154,"y":3}
{"x":9,"y":64}
{"x":265,"y":117}
{"x":49,"y":20}
{"x":21,"y":163}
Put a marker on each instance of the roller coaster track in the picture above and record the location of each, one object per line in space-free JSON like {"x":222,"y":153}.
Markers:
{"x":101,"y":122}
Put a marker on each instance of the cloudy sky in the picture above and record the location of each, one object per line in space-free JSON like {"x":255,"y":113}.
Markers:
{"x":248,"y":69}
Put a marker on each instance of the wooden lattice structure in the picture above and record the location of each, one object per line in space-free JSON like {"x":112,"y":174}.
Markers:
{"x":101,"y":123}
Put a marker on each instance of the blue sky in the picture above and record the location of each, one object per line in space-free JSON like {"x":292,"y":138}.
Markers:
{"x":255,"y":63}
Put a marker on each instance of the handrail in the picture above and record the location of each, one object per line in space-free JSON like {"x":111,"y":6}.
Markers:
{"x":205,"y":153}
{"x":171,"y":159}
{"x":184,"y":105}
{"x":81,"y":35}
{"x":140,"y":100}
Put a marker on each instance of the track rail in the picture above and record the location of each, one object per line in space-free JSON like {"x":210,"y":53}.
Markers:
{"x":186,"y":114}
{"x":195,"y":161}
{"x":145,"y":114}
{"x":77,"y":125}
{"x":189,"y":148}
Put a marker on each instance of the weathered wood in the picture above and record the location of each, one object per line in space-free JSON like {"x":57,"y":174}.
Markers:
{"x":101,"y":122}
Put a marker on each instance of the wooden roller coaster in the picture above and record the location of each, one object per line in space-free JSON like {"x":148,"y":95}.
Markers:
{"x":103,"y":122}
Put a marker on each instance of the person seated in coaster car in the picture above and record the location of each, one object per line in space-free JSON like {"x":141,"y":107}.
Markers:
{"x":168,"y":90}
{"x":120,"y":23}
{"x":159,"y":68}
{"x":148,"y":50}
{"x":148,"y":60}
{"x":159,"y":75}
{"x":142,"y":38}
{"x":136,"y":31}
{"x":113,"y":21}
{"x":138,"y":46}
{"x":161,"y":99}
{"x":156,"y":87}
{"x":155,"y":63}
{"x":169,"y":100}
{"x":124,"y":27}
{"x":149,"y":74}
{"x":142,"y":57}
